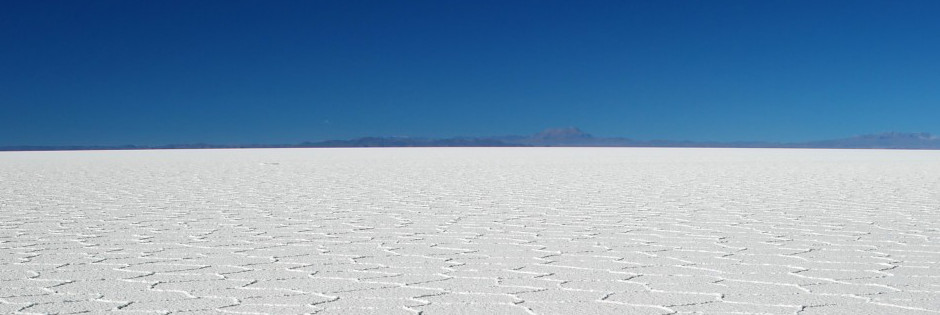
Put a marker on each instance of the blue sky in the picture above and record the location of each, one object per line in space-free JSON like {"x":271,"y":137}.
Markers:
{"x":227,"y":72}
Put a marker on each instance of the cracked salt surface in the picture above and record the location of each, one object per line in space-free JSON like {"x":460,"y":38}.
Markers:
{"x":471,"y":231}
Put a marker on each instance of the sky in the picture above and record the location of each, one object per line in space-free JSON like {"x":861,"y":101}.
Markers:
{"x":277,"y":72}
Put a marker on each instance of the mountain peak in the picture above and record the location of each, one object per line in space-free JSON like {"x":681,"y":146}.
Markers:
{"x":562,"y":134}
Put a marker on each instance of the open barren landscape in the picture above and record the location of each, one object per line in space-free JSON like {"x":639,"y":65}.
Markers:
{"x":471,"y":231}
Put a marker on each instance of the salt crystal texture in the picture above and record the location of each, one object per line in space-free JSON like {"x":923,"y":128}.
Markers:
{"x":471,"y":231}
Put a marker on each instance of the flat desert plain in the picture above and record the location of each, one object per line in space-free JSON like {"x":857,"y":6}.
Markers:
{"x":471,"y":231}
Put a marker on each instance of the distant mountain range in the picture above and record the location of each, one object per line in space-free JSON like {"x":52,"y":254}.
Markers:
{"x":555,"y":137}
{"x":574,"y":137}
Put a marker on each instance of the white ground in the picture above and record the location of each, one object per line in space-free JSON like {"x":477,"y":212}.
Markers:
{"x":471,"y":231}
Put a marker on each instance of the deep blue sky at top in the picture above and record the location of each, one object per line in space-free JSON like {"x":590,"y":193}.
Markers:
{"x":158,"y":72}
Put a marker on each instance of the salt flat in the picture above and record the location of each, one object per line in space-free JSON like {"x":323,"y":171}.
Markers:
{"x":471,"y":231}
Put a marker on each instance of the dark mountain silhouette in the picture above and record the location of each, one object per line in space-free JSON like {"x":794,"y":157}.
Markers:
{"x":555,"y":137}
